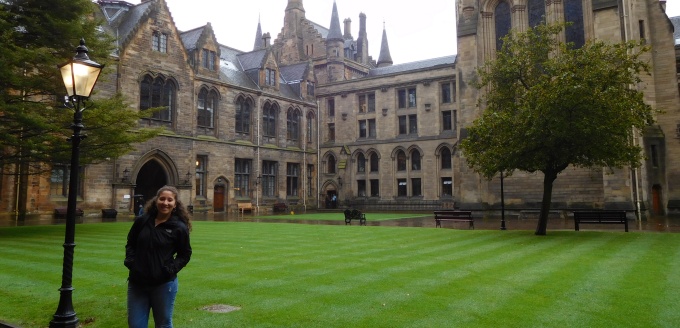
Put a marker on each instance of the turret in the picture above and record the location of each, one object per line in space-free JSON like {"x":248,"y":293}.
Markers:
{"x":385,"y":59}
{"x":258,"y":37}
{"x":335,"y":48}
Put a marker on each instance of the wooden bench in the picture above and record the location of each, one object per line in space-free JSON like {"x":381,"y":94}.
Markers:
{"x":454,"y":216}
{"x":242,"y":207}
{"x":354,"y":215}
{"x":600,"y":217}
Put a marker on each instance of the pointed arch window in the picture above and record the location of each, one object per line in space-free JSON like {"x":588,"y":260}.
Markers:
{"x":401,"y":161}
{"x":573,"y":12}
{"x":310,"y":127}
{"x":330,"y":164}
{"x":415,"y":160}
{"x":374,"y":162}
{"x":207,"y":104}
{"x":293,"y":124}
{"x":445,"y":156}
{"x":361,"y":163}
{"x":243,"y":112}
{"x":158,"y":92}
{"x":503,"y":22}
{"x":269,"y":120}
{"x":536,"y":12}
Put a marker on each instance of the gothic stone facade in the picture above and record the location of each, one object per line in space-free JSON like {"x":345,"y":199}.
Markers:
{"x":311,"y":114}
{"x":655,"y":186}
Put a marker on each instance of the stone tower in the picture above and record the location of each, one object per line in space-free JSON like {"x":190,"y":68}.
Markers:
{"x":335,"y":49}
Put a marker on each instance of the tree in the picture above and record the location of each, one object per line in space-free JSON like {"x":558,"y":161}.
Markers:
{"x":548,"y":105}
{"x":36,"y":36}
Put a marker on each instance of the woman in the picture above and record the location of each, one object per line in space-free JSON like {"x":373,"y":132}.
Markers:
{"x":157,"y":249}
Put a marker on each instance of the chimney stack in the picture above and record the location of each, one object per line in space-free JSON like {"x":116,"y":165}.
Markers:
{"x":348,"y":28}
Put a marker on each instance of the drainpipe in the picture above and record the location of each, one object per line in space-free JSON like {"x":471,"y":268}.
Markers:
{"x":626,"y":20}
{"x":318,"y":155}
{"x":257,"y":192}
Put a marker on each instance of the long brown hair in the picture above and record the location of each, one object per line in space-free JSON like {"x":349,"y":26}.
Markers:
{"x":180,"y":210}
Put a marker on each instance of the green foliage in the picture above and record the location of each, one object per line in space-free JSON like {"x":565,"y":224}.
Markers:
{"x":35,"y":37}
{"x":301,"y":275}
{"x":548,"y":105}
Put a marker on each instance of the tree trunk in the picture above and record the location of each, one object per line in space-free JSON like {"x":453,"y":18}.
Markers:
{"x":548,"y":179}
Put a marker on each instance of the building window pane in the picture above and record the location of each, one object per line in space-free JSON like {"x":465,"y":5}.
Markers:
{"x":242,"y":177}
{"x":402,"y":125}
{"x":401,"y":161}
{"x":402,"y":188}
{"x":503,"y":22}
{"x":242,"y":116}
{"x":415,"y":161}
{"x":375,"y":187}
{"x":447,"y":122}
{"x":331,"y":107}
{"x":446,"y":93}
{"x":446,"y":158}
{"x":413,"y":124}
{"x":201,"y":171}
{"x":447,"y":187}
{"x":292,"y":177}
{"x":361,"y":188}
{"x":416,"y":189}
{"x":362,"y":129}
{"x":374,"y":162}
{"x":361,"y":163}
{"x":268,"y":178}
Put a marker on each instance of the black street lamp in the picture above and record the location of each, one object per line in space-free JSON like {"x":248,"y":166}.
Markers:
{"x":502,"y":205}
{"x":79,"y":75}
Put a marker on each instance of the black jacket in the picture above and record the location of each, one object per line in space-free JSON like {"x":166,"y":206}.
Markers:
{"x":154,"y":255}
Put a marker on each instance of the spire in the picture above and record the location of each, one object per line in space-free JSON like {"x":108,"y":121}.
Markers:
{"x":335,"y":33}
{"x":258,"y":37}
{"x":385,"y":59}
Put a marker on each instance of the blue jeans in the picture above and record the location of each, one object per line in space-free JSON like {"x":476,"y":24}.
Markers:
{"x":160,"y":299}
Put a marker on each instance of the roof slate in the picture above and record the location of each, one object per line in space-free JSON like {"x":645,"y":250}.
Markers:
{"x":412,"y":66}
{"x":190,"y":38}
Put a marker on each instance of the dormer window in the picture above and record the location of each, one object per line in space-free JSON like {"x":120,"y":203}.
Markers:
{"x":209,"y":59}
{"x":159,"y":42}
{"x":270,"y":77}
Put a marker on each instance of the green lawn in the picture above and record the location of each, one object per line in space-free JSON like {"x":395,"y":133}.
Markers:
{"x":300,"y":275}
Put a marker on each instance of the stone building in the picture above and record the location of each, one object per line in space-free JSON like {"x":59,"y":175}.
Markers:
{"x":310,"y":114}
{"x":655,"y":186}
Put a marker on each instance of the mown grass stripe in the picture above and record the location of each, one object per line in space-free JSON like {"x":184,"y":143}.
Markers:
{"x":292,"y":275}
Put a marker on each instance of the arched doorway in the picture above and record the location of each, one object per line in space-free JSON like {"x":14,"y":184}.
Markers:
{"x":220,"y":199}
{"x":151,"y":177}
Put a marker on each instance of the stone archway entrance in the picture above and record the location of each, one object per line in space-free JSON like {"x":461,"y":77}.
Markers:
{"x":151,"y":177}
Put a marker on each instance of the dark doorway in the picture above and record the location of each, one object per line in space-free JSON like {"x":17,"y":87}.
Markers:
{"x":331,"y":200}
{"x":656,"y":200}
{"x":150,"y":178}
{"x":218,"y":203}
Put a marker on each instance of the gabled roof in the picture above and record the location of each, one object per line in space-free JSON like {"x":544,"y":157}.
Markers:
{"x":129,"y":23}
{"x":296,"y":72}
{"x":412,"y":66}
{"x":231,"y":69}
{"x":676,"y":24}
{"x":253,"y":60}
{"x":321,"y":29}
{"x":190,"y":38}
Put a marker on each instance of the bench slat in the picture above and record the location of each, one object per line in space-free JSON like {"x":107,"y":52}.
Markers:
{"x":454,"y":216}
{"x":600,"y":217}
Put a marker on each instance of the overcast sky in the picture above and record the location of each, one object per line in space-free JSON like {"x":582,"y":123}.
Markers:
{"x":425,"y":31}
